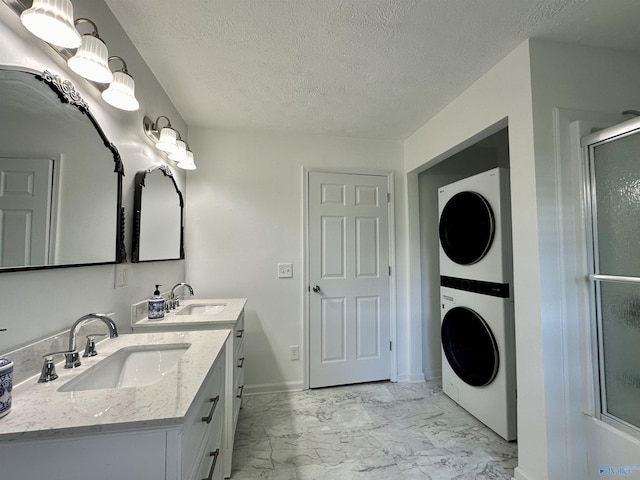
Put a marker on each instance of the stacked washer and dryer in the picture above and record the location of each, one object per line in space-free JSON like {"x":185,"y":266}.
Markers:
{"x":478,"y":333}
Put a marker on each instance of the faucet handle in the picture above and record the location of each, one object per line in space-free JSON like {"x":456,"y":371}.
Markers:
{"x":71,"y":358}
{"x":90,"y":347}
{"x":48,"y":370}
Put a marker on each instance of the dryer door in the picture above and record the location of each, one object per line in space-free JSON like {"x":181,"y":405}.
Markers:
{"x":467,"y":227}
{"x":470,"y":347}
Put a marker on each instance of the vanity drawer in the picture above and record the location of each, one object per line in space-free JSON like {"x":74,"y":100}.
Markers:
{"x":211,"y":461}
{"x":238,"y":331}
{"x":208,"y":411}
{"x":238,"y":376}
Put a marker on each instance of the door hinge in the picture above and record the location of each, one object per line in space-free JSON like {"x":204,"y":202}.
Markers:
{"x":390,"y":346}
{"x":389,"y":270}
{"x":388,"y":198}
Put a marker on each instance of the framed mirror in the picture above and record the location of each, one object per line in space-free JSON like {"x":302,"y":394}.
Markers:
{"x":60,"y":177}
{"x":159,"y":222}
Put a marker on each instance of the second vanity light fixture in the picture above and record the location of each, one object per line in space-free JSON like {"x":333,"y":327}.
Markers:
{"x":52,"y":21}
{"x":169,"y":141}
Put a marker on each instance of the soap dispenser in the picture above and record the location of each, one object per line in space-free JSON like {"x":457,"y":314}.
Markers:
{"x":156,"y":305}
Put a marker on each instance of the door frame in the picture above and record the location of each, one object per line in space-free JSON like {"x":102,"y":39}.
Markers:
{"x":306,"y":171}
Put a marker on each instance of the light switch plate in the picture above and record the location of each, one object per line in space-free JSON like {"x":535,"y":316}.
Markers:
{"x":285,"y":270}
{"x":122,"y":275}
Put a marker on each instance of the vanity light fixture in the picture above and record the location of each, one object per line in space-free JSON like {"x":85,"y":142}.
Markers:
{"x":91,"y":60}
{"x":165,"y":138}
{"x":168,"y":140}
{"x":52,"y":21}
{"x":121,"y":92}
{"x":188,"y":163}
{"x":180,"y":154}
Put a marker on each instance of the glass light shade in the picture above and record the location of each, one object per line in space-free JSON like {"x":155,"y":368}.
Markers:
{"x":52,"y":21}
{"x":167,"y":142}
{"x":121,"y":92}
{"x":188,"y":163}
{"x":181,"y":153}
{"x":90,"y":61}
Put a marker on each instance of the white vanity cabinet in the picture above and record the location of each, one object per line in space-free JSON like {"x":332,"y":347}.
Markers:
{"x":189,"y":447}
{"x":235,"y":377}
{"x":231,"y":317}
{"x":200,"y":440}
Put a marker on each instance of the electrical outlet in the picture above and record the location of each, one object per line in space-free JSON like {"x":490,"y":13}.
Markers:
{"x":122,"y":275}
{"x":285,"y":270}
{"x":294,"y":352}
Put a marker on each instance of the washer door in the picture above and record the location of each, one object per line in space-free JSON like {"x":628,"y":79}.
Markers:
{"x":469,"y":346}
{"x":467,"y":226}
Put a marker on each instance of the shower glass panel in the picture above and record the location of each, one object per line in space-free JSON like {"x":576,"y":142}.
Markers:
{"x":614,"y":201}
{"x":620,"y":312}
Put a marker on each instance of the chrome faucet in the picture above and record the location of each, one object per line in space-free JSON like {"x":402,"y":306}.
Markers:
{"x":172,"y":297}
{"x":72,"y":358}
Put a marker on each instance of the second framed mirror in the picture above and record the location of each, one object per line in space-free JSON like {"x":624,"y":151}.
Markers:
{"x":158,"y":228}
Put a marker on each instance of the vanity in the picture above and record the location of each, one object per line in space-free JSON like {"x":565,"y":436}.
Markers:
{"x":210,"y":314}
{"x":163,"y":418}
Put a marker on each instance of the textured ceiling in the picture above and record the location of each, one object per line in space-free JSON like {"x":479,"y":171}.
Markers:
{"x":363,"y":68}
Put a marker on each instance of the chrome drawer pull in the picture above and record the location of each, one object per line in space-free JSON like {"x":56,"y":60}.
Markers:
{"x":213,"y":465}
{"x":241,"y":388}
{"x":240,"y":333}
{"x":241,"y":362}
{"x":213,"y":409}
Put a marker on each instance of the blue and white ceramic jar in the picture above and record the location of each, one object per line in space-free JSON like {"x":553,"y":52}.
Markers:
{"x":6,"y":385}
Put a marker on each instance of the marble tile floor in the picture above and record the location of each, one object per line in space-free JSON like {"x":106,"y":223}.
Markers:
{"x":374,"y":431}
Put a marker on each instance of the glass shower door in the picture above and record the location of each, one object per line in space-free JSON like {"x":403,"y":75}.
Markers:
{"x":614,"y":201}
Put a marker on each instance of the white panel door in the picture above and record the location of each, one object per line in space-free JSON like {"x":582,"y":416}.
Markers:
{"x":349,"y":326}
{"x":25,"y":206}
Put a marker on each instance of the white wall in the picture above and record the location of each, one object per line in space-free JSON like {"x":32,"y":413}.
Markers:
{"x":592,"y":80}
{"x":36,"y":304}
{"x":524,"y":88}
{"x":502,"y":95}
{"x":244,"y":215}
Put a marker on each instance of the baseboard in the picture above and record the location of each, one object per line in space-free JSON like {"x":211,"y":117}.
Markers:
{"x":433,"y":375}
{"x":410,"y":378}
{"x":518,"y":474}
{"x":273,"y":388}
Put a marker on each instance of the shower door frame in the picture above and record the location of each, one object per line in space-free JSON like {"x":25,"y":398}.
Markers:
{"x":588,"y":144}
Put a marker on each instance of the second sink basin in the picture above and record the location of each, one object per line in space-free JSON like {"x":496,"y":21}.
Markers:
{"x":202,"y":309}
{"x":134,"y":366}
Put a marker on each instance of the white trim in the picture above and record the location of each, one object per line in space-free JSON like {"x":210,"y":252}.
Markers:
{"x":392,"y":277}
{"x":433,"y":375}
{"x":412,"y":378}
{"x":518,"y":474}
{"x":574,"y":297}
{"x":305,"y":278}
{"x":263,"y":388}
{"x":392,"y":262}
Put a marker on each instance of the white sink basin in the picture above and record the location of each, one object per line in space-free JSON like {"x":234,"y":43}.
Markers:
{"x":135,"y":366}
{"x":202,"y":309}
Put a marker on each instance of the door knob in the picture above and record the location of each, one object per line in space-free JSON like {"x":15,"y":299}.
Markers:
{"x":316,"y":289}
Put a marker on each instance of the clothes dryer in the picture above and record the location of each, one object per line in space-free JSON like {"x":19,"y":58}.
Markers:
{"x":475,"y":227}
{"x":478,"y":356}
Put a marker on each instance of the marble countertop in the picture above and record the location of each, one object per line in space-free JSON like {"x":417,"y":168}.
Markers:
{"x":40,"y":411}
{"x":229,"y":314}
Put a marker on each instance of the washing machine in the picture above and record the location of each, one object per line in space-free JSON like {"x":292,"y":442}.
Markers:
{"x":478,"y":354}
{"x":475,"y":228}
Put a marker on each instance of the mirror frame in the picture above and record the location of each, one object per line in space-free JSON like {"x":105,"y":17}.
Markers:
{"x":137,"y":209}
{"x":68,"y":94}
